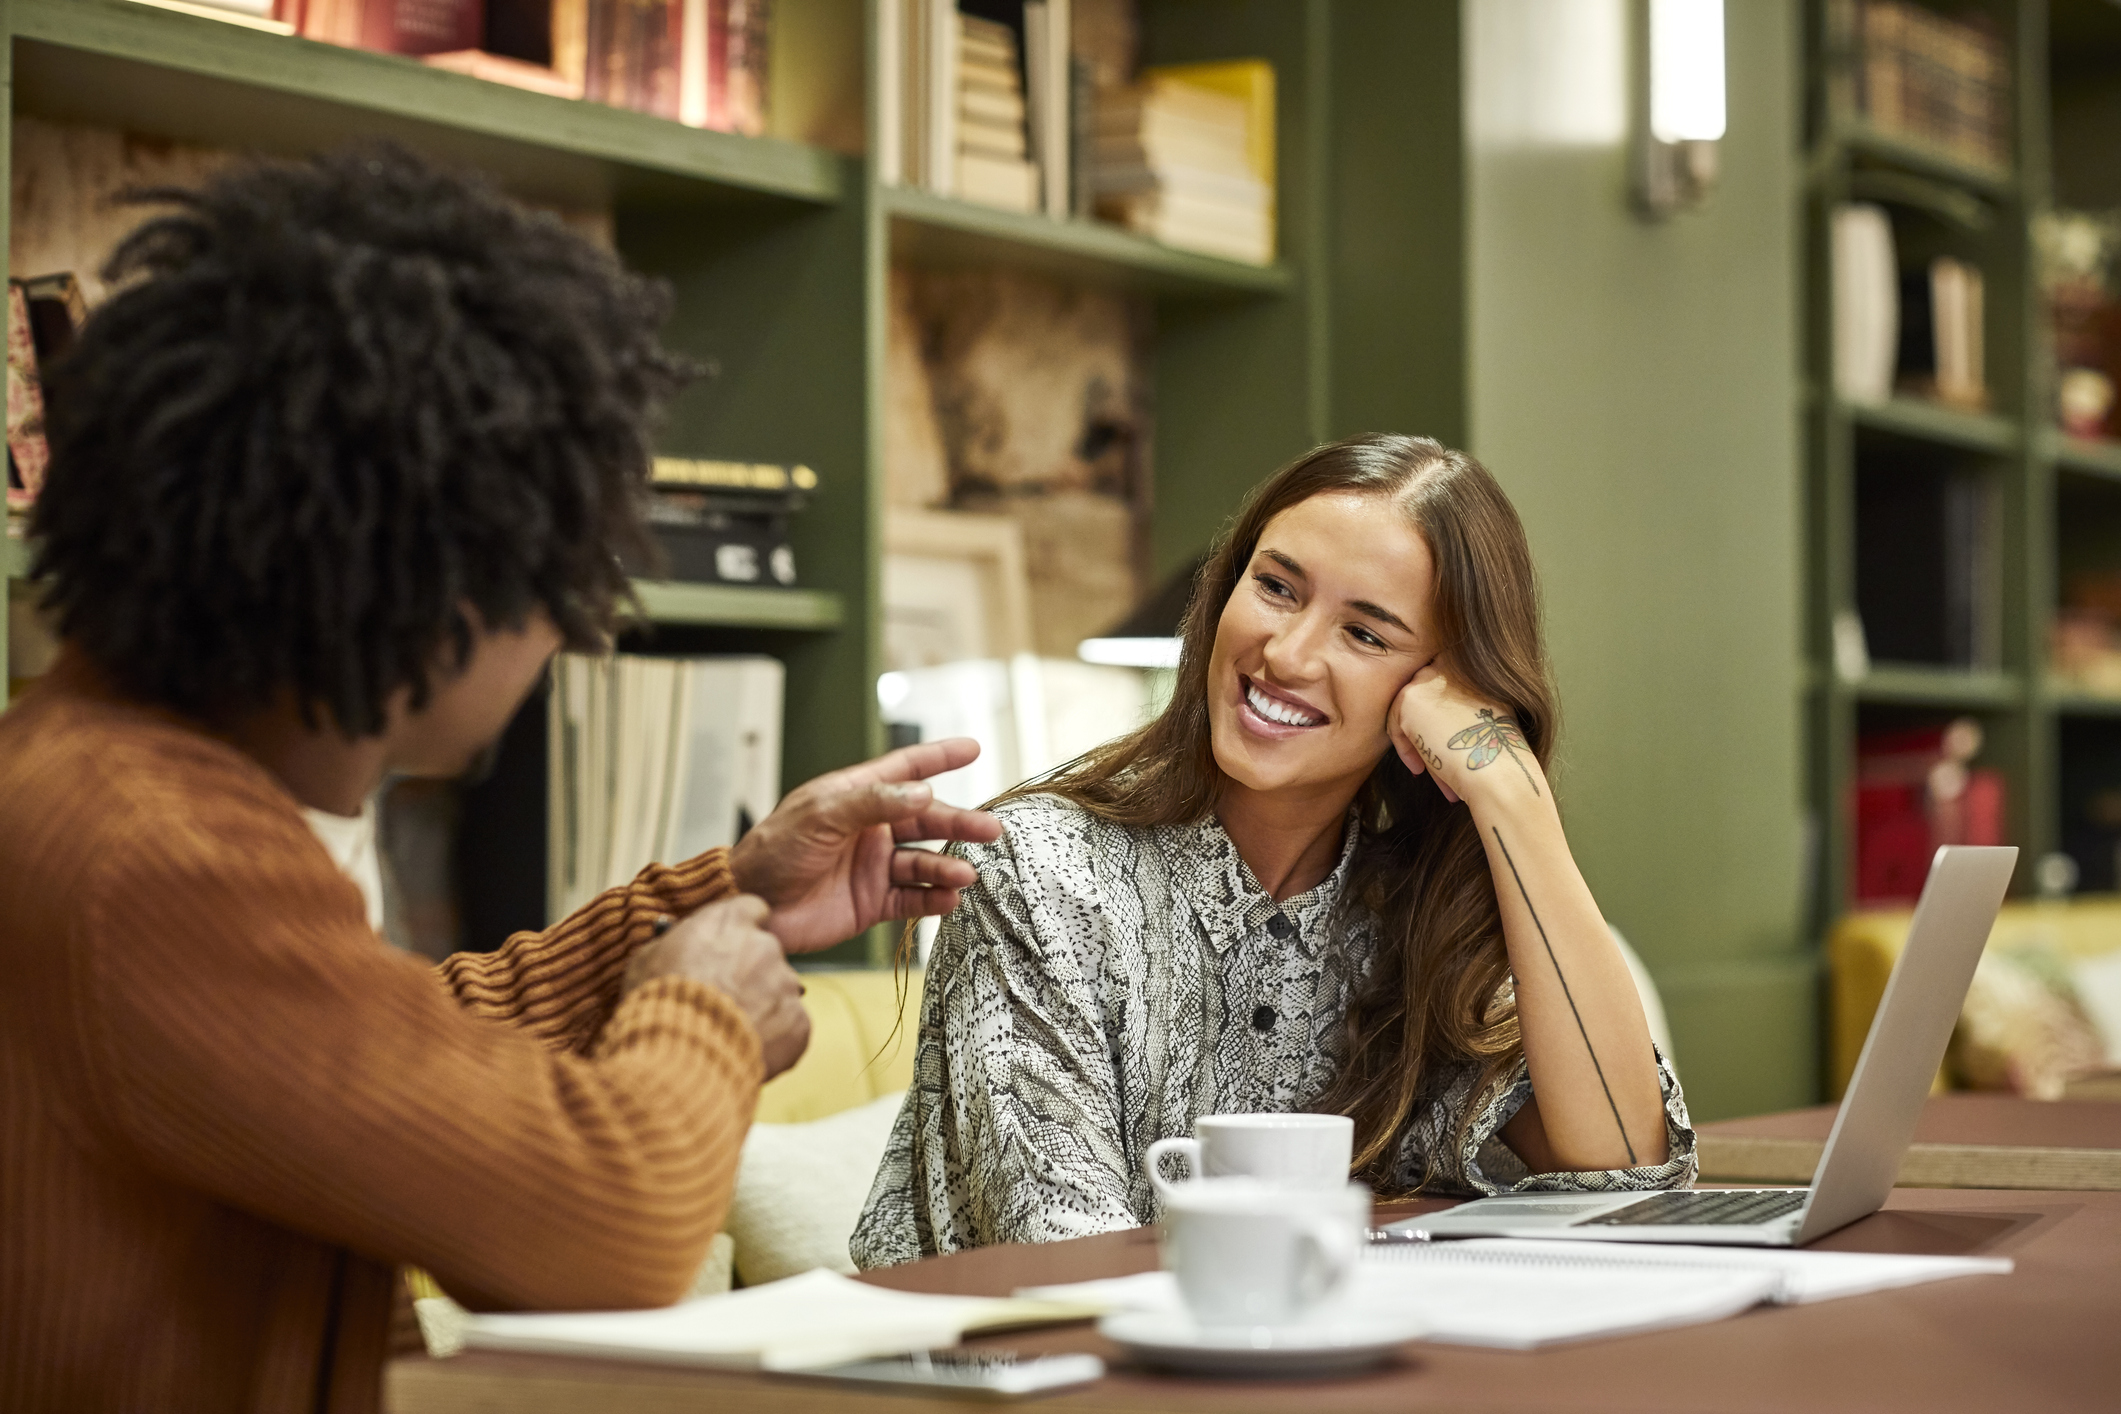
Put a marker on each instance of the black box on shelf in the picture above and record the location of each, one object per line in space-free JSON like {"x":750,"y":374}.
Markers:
{"x":727,"y":522}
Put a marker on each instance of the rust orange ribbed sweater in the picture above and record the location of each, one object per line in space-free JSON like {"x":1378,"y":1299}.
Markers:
{"x":227,"y":1108}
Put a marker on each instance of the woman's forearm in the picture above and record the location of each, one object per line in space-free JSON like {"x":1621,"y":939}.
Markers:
{"x":1597,"y":1103}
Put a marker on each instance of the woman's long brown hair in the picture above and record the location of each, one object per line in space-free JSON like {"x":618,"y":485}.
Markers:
{"x":1434,"y":996}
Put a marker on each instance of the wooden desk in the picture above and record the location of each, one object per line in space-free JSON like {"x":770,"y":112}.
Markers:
{"x":1961,"y":1141}
{"x":2041,"y":1338}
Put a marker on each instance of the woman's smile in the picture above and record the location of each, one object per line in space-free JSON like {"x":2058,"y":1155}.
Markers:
{"x":1270,"y":712}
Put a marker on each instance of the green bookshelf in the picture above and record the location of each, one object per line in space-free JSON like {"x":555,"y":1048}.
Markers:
{"x":119,"y":64}
{"x":777,"y":252}
{"x":737,"y":606}
{"x":1929,"y":422}
{"x":2084,"y":456}
{"x":2048,"y":492}
{"x":1952,"y":689}
{"x":937,"y":230}
{"x":1862,"y":143}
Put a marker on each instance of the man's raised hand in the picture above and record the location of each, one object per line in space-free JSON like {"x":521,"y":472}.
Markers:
{"x":832,"y":858}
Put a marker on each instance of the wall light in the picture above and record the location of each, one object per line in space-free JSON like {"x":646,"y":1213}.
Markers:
{"x":1680,"y":113}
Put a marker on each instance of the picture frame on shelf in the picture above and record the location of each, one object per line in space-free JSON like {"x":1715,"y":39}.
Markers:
{"x":955,"y":587}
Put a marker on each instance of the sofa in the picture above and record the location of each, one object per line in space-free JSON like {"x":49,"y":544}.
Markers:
{"x":2039,"y":1017}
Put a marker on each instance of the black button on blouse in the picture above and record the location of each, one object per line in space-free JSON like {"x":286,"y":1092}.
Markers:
{"x":1279,"y":925}
{"x":1263,"y":1019}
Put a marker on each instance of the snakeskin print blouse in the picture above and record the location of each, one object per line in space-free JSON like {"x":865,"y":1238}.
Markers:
{"x":1100,"y":988}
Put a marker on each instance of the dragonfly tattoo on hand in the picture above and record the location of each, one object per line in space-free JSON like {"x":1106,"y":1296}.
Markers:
{"x":1489,"y":738}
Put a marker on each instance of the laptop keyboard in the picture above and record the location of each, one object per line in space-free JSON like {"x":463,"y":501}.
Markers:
{"x":1730,"y":1207}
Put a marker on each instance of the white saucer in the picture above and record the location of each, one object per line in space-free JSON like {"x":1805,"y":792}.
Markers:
{"x":1327,"y":1345}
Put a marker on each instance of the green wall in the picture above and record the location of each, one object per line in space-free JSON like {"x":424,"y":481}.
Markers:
{"x":1635,"y":387}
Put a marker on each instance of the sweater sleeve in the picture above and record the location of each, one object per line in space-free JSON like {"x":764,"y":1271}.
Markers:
{"x":561,"y":985}
{"x":245,"y":1036}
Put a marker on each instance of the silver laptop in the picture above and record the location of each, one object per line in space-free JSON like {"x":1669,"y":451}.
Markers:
{"x":1900,"y":1058}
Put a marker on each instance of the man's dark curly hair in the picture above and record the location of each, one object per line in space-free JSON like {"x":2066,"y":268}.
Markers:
{"x":332,"y":403}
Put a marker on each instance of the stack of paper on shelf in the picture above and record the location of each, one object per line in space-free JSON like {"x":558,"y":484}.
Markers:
{"x":976,"y":105}
{"x":1187,"y":157}
{"x":992,"y":153}
{"x":653,"y":760}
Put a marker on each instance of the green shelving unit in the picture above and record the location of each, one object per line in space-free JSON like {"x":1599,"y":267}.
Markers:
{"x":665,"y":601}
{"x":778,"y":253}
{"x":936,"y":230}
{"x":2032,"y":472}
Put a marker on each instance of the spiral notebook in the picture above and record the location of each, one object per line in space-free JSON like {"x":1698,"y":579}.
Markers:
{"x":1525,"y":1295}
{"x":801,"y":1323}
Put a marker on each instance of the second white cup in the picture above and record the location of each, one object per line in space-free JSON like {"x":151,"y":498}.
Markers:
{"x":1254,"y":1253}
{"x":1304,"y":1150}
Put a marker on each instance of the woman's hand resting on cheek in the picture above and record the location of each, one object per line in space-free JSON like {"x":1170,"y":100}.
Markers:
{"x":1472,"y":748}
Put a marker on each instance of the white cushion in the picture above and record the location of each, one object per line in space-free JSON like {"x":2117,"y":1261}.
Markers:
{"x":800,"y":1190}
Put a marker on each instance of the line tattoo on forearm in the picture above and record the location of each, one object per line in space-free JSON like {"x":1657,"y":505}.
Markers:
{"x":1489,"y":738}
{"x":1525,"y":894}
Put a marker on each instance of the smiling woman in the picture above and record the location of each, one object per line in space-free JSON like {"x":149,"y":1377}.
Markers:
{"x":1252,"y":904}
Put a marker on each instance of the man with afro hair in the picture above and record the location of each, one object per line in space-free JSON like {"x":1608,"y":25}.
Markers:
{"x":356,"y":445}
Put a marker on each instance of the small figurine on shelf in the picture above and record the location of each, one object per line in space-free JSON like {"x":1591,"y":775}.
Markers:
{"x":2076,"y":256}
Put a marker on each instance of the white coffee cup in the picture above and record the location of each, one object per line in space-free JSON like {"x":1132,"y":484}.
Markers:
{"x":1311,"y":1151}
{"x":1253,"y":1252}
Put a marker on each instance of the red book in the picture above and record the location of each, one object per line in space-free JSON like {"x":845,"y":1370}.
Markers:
{"x":391,"y":26}
{"x":633,"y":54}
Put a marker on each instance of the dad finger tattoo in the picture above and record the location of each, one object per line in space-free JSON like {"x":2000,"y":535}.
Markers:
{"x":1427,"y":753}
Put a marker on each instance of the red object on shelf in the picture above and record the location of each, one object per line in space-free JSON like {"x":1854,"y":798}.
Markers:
{"x":391,"y":26}
{"x":1893,"y":845}
{"x":1913,"y":793}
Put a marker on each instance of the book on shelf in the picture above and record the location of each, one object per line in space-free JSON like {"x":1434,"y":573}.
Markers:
{"x":1917,"y":790}
{"x":251,"y":14}
{"x":975,"y":101}
{"x":1937,"y":81}
{"x":391,"y":26}
{"x":653,"y":760}
{"x":701,"y":62}
{"x":1187,"y":158}
{"x":1940,"y":352}
{"x":720,"y":522}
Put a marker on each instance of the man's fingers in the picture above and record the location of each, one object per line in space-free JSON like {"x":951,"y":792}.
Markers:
{"x":926,"y":867}
{"x":948,"y":822}
{"x":919,"y":903}
{"x":917,"y":763}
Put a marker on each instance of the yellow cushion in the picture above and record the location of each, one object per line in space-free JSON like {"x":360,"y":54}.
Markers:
{"x":854,"y":1055}
{"x":1864,"y":946}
